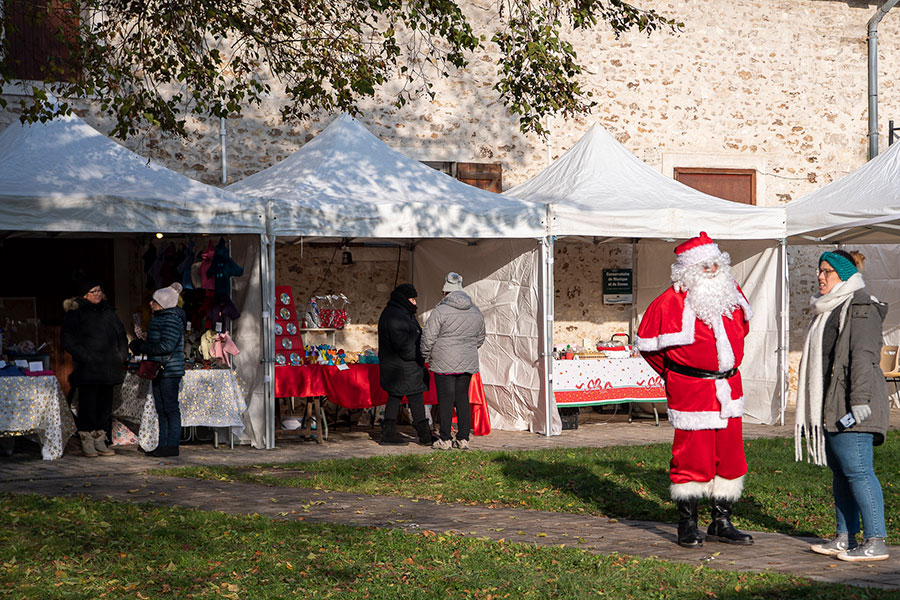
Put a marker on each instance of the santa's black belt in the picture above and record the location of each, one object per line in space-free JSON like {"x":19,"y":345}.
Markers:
{"x":700,"y":373}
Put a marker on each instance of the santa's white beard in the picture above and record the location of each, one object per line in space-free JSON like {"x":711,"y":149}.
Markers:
{"x":710,"y":295}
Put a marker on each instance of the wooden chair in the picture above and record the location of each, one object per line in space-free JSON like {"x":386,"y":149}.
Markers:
{"x":890,"y":366}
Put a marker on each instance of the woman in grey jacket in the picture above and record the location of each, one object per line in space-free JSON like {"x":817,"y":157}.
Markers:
{"x":840,"y":375}
{"x":450,"y":342}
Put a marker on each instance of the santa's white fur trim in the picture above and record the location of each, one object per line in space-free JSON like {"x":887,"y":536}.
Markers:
{"x":727,"y":489}
{"x":699,"y":254}
{"x":732,"y":408}
{"x":724,"y":351}
{"x":666,"y":340}
{"x":696,"y":420}
{"x":690,"y":490}
{"x":745,"y":306}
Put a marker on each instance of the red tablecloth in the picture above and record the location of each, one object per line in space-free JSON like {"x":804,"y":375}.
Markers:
{"x":358,"y":387}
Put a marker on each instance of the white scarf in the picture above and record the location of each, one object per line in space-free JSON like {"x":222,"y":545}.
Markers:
{"x":810,"y":395}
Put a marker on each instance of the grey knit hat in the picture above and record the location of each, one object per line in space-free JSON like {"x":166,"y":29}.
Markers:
{"x":453,"y":282}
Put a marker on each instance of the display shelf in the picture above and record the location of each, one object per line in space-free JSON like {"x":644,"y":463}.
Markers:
{"x":328,"y":331}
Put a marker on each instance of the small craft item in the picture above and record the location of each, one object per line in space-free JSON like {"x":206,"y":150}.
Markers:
{"x":295,"y":359}
{"x":280,"y":359}
{"x":287,"y":344}
{"x":278,"y":330}
{"x":284,"y":313}
{"x":285,"y":298}
{"x":291,"y":329}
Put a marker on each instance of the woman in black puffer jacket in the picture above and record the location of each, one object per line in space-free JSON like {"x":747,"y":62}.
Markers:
{"x":95,"y":337}
{"x":401,"y":365}
{"x":165,"y":344}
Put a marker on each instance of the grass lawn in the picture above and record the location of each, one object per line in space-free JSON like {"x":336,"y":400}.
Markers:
{"x":632,"y":482}
{"x":85,"y":548}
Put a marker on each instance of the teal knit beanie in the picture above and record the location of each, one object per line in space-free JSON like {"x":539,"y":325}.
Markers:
{"x":843,"y":266}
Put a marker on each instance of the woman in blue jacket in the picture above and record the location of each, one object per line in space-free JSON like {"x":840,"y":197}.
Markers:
{"x":165,"y":345}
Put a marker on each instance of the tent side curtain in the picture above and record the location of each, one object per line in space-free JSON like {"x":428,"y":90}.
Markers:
{"x":502,"y":279}
{"x":755,"y":268}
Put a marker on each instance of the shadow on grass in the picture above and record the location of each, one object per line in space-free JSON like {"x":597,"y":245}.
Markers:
{"x":632,"y":492}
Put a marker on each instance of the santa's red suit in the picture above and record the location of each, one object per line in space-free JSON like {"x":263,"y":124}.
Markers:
{"x":707,"y":451}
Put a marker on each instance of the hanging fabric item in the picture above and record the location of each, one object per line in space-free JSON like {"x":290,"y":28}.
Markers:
{"x":223,"y":269}
{"x":224,"y":348}
{"x":223,"y":308}
{"x":206,"y":344}
{"x":205,"y":276}
{"x":184,"y":267}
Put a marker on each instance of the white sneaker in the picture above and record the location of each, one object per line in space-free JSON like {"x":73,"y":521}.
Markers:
{"x":461,"y":444}
{"x":839,"y":543}
{"x":442,"y":445}
{"x":870,"y":549}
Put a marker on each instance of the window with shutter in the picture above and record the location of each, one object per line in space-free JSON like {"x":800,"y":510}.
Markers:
{"x":737,"y":185}
{"x":39,"y":38}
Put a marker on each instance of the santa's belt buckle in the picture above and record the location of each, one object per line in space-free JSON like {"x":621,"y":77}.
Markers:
{"x":701,"y":373}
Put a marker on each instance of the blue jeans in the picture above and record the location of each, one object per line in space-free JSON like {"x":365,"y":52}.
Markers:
{"x":165,"y":397}
{"x":857,"y":492}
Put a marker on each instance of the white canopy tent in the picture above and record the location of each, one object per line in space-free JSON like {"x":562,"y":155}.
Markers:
{"x":65,"y":176}
{"x":600,"y":189}
{"x":346,"y":183}
{"x":862,"y":209}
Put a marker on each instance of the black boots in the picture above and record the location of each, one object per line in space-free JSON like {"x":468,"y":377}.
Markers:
{"x":721,"y":529}
{"x":423,"y":430}
{"x":389,"y":435}
{"x":688,"y":536}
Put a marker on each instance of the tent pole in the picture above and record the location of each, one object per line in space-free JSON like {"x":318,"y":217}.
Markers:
{"x":633,"y":325}
{"x":782,"y":326}
{"x":547,"y":298}
{"x":268,"y":291}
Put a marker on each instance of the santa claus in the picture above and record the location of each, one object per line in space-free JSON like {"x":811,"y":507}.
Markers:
{"x":693,"y":336}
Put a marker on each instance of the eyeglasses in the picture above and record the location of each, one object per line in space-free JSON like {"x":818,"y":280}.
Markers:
{"x":825,"y":272}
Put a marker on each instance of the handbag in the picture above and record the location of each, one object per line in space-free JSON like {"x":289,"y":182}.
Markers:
{"x":149,"y":369}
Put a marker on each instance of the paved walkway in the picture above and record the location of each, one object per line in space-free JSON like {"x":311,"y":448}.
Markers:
{"x":124,"y":477}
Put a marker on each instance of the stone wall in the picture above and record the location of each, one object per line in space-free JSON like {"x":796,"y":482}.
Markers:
{"x":774,"y":85}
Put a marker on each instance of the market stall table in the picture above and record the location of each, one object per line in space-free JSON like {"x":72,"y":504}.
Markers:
{"x":36,"y":405}
{"x":598,"y":382}
{"x":358,"y":386}
{"x":207,"y":397}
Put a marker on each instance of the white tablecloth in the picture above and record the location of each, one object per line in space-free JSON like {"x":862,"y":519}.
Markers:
{"x":606,"y":381}
{"x":208,"y":398}
{"x":36,"y":405}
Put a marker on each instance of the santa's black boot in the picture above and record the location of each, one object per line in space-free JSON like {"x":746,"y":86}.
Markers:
{"x":721,"y":529}
{"x":688,"y":536}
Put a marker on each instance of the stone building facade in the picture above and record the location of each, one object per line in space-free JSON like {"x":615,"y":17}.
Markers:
{"x":776,"y":86}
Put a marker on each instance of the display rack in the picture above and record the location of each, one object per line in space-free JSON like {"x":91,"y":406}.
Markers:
{"x":328,"y":331}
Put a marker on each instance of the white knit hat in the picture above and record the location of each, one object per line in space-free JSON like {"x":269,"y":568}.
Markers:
{"x":167,"y":297}
{"x":453,"y":282}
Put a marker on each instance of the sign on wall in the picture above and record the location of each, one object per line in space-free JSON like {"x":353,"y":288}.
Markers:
{"x":617,"y":286}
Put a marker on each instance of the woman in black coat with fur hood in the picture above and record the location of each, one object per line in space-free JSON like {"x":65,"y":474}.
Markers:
{"x":401,"y":365}
{"x":95,"y":337}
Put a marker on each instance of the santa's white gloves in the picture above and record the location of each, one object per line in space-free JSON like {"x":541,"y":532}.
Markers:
{"x":861,"y":412}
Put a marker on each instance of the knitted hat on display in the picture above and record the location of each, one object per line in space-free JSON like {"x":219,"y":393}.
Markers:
{"x":843,"y":266}
{"x":407,"y":290}
{"x":453,"y":282}
{"x":167,"y":297}
{"x":696,"y":250}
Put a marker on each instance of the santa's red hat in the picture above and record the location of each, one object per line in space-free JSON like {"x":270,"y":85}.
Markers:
{"x":696,"y":250}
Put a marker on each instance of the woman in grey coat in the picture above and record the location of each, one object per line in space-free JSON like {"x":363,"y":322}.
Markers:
{"x":842,"y":404}
{"x":450,"y":341}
